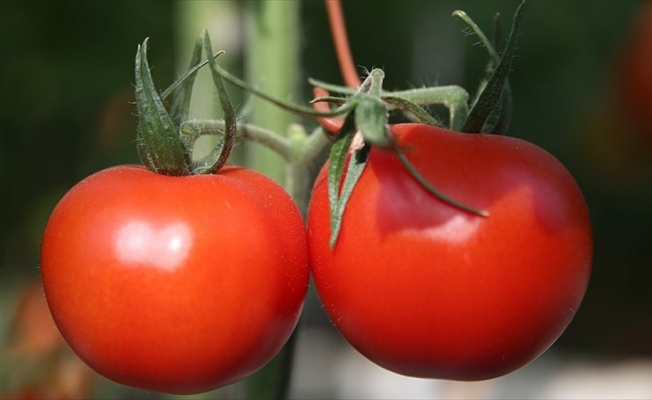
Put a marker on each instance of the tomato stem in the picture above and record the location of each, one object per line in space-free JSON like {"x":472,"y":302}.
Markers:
{"x":299,"y":149}
{"x":454,"y":98}
{"x":287,"y":106}
{"x":193,"y":129}
{"x":341,"y":41}
{"x":305,"y":150}
{"x":345,"y":60}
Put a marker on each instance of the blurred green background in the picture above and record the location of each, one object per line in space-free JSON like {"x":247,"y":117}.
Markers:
{"x":66,"y":93}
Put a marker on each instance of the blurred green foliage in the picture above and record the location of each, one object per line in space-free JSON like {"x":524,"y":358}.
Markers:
{"x":66,"y":73}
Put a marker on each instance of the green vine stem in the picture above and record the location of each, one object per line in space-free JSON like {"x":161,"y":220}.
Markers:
{"x":272,"y":65}
{"x":454,"y":98}
{"x":193,"y":129}
{"x":305,"y":150}
{"x":298,"y":149}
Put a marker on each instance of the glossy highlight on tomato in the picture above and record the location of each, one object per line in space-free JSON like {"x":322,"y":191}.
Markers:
{"x":425,"y":289}
{"x":175,"y":284}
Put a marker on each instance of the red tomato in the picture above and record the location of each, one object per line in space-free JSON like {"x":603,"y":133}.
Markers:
{"x":425,"y":289}
{"x":175,"y":284}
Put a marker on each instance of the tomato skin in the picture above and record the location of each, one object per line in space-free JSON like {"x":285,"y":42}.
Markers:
{"x":175,"y":284}
{"x":424,"y":289}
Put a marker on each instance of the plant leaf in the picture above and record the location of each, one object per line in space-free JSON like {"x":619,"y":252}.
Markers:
{"x":213,"y":162}
{"x":180,"y":108}
{"x":339,"y":191}
{"x":493,"y":92}
{"x":354,"y":170}
{"x":500,"y":121}
{"x":159,"y":146}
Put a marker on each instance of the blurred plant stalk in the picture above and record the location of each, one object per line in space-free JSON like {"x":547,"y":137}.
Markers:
{"x":271,"y":64}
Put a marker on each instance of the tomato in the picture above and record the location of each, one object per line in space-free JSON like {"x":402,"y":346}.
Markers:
{"x":175,"y":284}
{"x":425,"y":289}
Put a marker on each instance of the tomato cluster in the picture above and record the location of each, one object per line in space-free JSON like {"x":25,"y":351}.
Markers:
{"x":436,"y":253}
{"x":183,"y":284}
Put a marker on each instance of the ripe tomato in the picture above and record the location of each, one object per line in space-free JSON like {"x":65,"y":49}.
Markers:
{"x":175,"y":284}
{"x":425,"y":289}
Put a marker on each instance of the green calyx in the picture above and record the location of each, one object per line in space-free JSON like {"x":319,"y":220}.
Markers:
{"x":489,"y":112}
{"x":158,"y":143}
{"x":348,"y":157}
{"x":162,"y":147}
